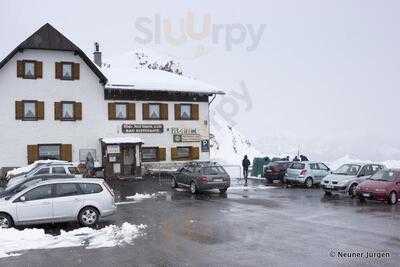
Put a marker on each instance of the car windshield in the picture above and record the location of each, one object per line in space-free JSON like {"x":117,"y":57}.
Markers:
{"x":297,"y":166}
{"x":214,"y":170}
{"x":348,"y":169}
{"x":385,"y":175}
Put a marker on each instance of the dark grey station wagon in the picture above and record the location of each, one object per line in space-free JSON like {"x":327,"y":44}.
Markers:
{"x":199,"y":176}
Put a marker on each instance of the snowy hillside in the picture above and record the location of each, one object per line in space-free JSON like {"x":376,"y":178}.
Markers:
{"x":228,"y":145}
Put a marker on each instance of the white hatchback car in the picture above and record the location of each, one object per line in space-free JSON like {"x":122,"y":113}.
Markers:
{"x":52,"y":201}
{"x":306,"y":173}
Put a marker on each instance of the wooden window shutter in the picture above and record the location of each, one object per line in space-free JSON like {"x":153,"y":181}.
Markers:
{"x":38,"y":70}
{"x":57,"y":111}
{"x":177,"y":112}
{"x":76,"y":71}
{"x":58,"y":70}
{"x":164,"y":111}
{"x":20,"y":69}
{"x":194,"y":153}
{"x":162,"y":153}
{"x":78,"y":111}
{"x":19,"y":110}
{"x":111,"y":111}
{"x":66,"y":152}
{"x":33,"y":153}
{"x":174,"y":153}
{"x":145,"y":111}
{"x":195,"y":111}
{"x":131,"y":112}
{"x":40,"y":110}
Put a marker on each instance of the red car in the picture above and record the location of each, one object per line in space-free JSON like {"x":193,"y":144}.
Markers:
{"x":383,"y":185}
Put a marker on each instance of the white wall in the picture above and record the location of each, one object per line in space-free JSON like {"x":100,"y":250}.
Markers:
{"x":16,"y":135}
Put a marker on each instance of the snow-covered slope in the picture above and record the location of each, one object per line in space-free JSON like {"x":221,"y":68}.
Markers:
{"x":228,"y":145}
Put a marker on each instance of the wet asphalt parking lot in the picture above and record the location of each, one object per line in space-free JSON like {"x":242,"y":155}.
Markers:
{"x":257,"y":226}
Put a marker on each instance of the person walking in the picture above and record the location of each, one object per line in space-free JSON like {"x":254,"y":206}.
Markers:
{"x":245,"y":165}
{"x":89,"y":164}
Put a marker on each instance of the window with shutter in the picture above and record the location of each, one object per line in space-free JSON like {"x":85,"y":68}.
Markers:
{"x":66,"y":152}
{"x":194,"y":153}
{"x":78,"y":111}
{"x":150,"y":154}
{"x":29,"y":69}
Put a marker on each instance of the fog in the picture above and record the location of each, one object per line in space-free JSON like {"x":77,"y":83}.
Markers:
{"x":322,"y":78}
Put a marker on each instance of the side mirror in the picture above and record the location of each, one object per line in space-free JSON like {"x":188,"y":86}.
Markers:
{"x":22,"y":199}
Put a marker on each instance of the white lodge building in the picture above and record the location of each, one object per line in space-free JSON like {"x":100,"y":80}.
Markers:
{"x":56,"y":103}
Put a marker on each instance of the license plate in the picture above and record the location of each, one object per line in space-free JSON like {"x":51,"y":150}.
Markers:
{"x":218,"y":180}
{"x":366,"y":194}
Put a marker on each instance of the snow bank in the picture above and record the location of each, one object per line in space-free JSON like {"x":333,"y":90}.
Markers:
{"x":140,"y":197}
{"x":13,"y":240}
{"x":30,"y":167}
{"x":348,"y":159}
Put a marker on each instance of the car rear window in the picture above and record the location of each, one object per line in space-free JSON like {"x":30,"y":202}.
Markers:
{"x":214,"y":170}
{"x":73,"y":170}
{"x":297,"y":166}
{"x":89,"y":188}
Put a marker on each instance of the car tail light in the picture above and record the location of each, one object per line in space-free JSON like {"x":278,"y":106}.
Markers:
{"x":204,"y":179}
{"x":303,"y":172}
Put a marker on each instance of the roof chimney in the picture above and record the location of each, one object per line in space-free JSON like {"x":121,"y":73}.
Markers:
{"x":97,"y":54}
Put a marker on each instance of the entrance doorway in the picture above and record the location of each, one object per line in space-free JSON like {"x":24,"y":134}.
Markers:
{"x":128,"y":160}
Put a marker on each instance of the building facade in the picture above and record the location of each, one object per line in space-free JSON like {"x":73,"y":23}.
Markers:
{"x":56,"y":103}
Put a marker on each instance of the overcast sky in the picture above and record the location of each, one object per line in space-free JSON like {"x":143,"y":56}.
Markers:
{"x":322,"y":70}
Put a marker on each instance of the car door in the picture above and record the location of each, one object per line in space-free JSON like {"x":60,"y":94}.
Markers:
{"x":66,"y":202}
{"x":315,"y":171}
{"x":36,"y":205}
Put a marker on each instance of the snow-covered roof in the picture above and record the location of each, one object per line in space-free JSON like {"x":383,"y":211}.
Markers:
{"x":122,"y":140}
{"x":155,"y":80}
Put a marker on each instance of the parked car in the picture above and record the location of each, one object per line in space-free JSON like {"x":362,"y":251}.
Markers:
{"x":346,"y":178}
{"x":276,"y":170}
{"x":24,"y":170}
{"x":43,"y":169}
{"x":52,"y":201}
{"x":10,"y":191}
{"x":383,"y":185}
{"x":307,"y":173}
{"x":202,"y":176}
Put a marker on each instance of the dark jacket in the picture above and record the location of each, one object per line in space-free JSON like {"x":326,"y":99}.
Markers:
{"x":245,"y":163}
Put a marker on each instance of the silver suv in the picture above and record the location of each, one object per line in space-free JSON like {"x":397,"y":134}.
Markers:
{"x":307,"y":173}
{"x":346,"y":178}
{"x":46,"y":169}
{"x":62,"y":200}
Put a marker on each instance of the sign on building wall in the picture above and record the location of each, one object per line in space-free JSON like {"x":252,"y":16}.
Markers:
{"x":87,"y":153}
{"x":181,"y":131}
{"x":142,"y":128}
{"x":182,"y":138}
{"x":113,"y":149}
{"x":205,"y":145}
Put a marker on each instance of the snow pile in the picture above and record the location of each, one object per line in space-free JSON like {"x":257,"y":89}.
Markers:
{"x":13,"y":240}
{"x":30,"y":167}
{"x":140,"y":197}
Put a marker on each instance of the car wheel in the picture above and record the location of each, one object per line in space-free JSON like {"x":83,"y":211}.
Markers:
{"x":223,"y":191}
{"x":309,"y":182}
{"x":88,"y":216}
{"x":392,"y":198}
{"x":6,"y":221}
{"x":174,"y":183}
{"x":352,"y":190}
{"x":193,"y":188}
